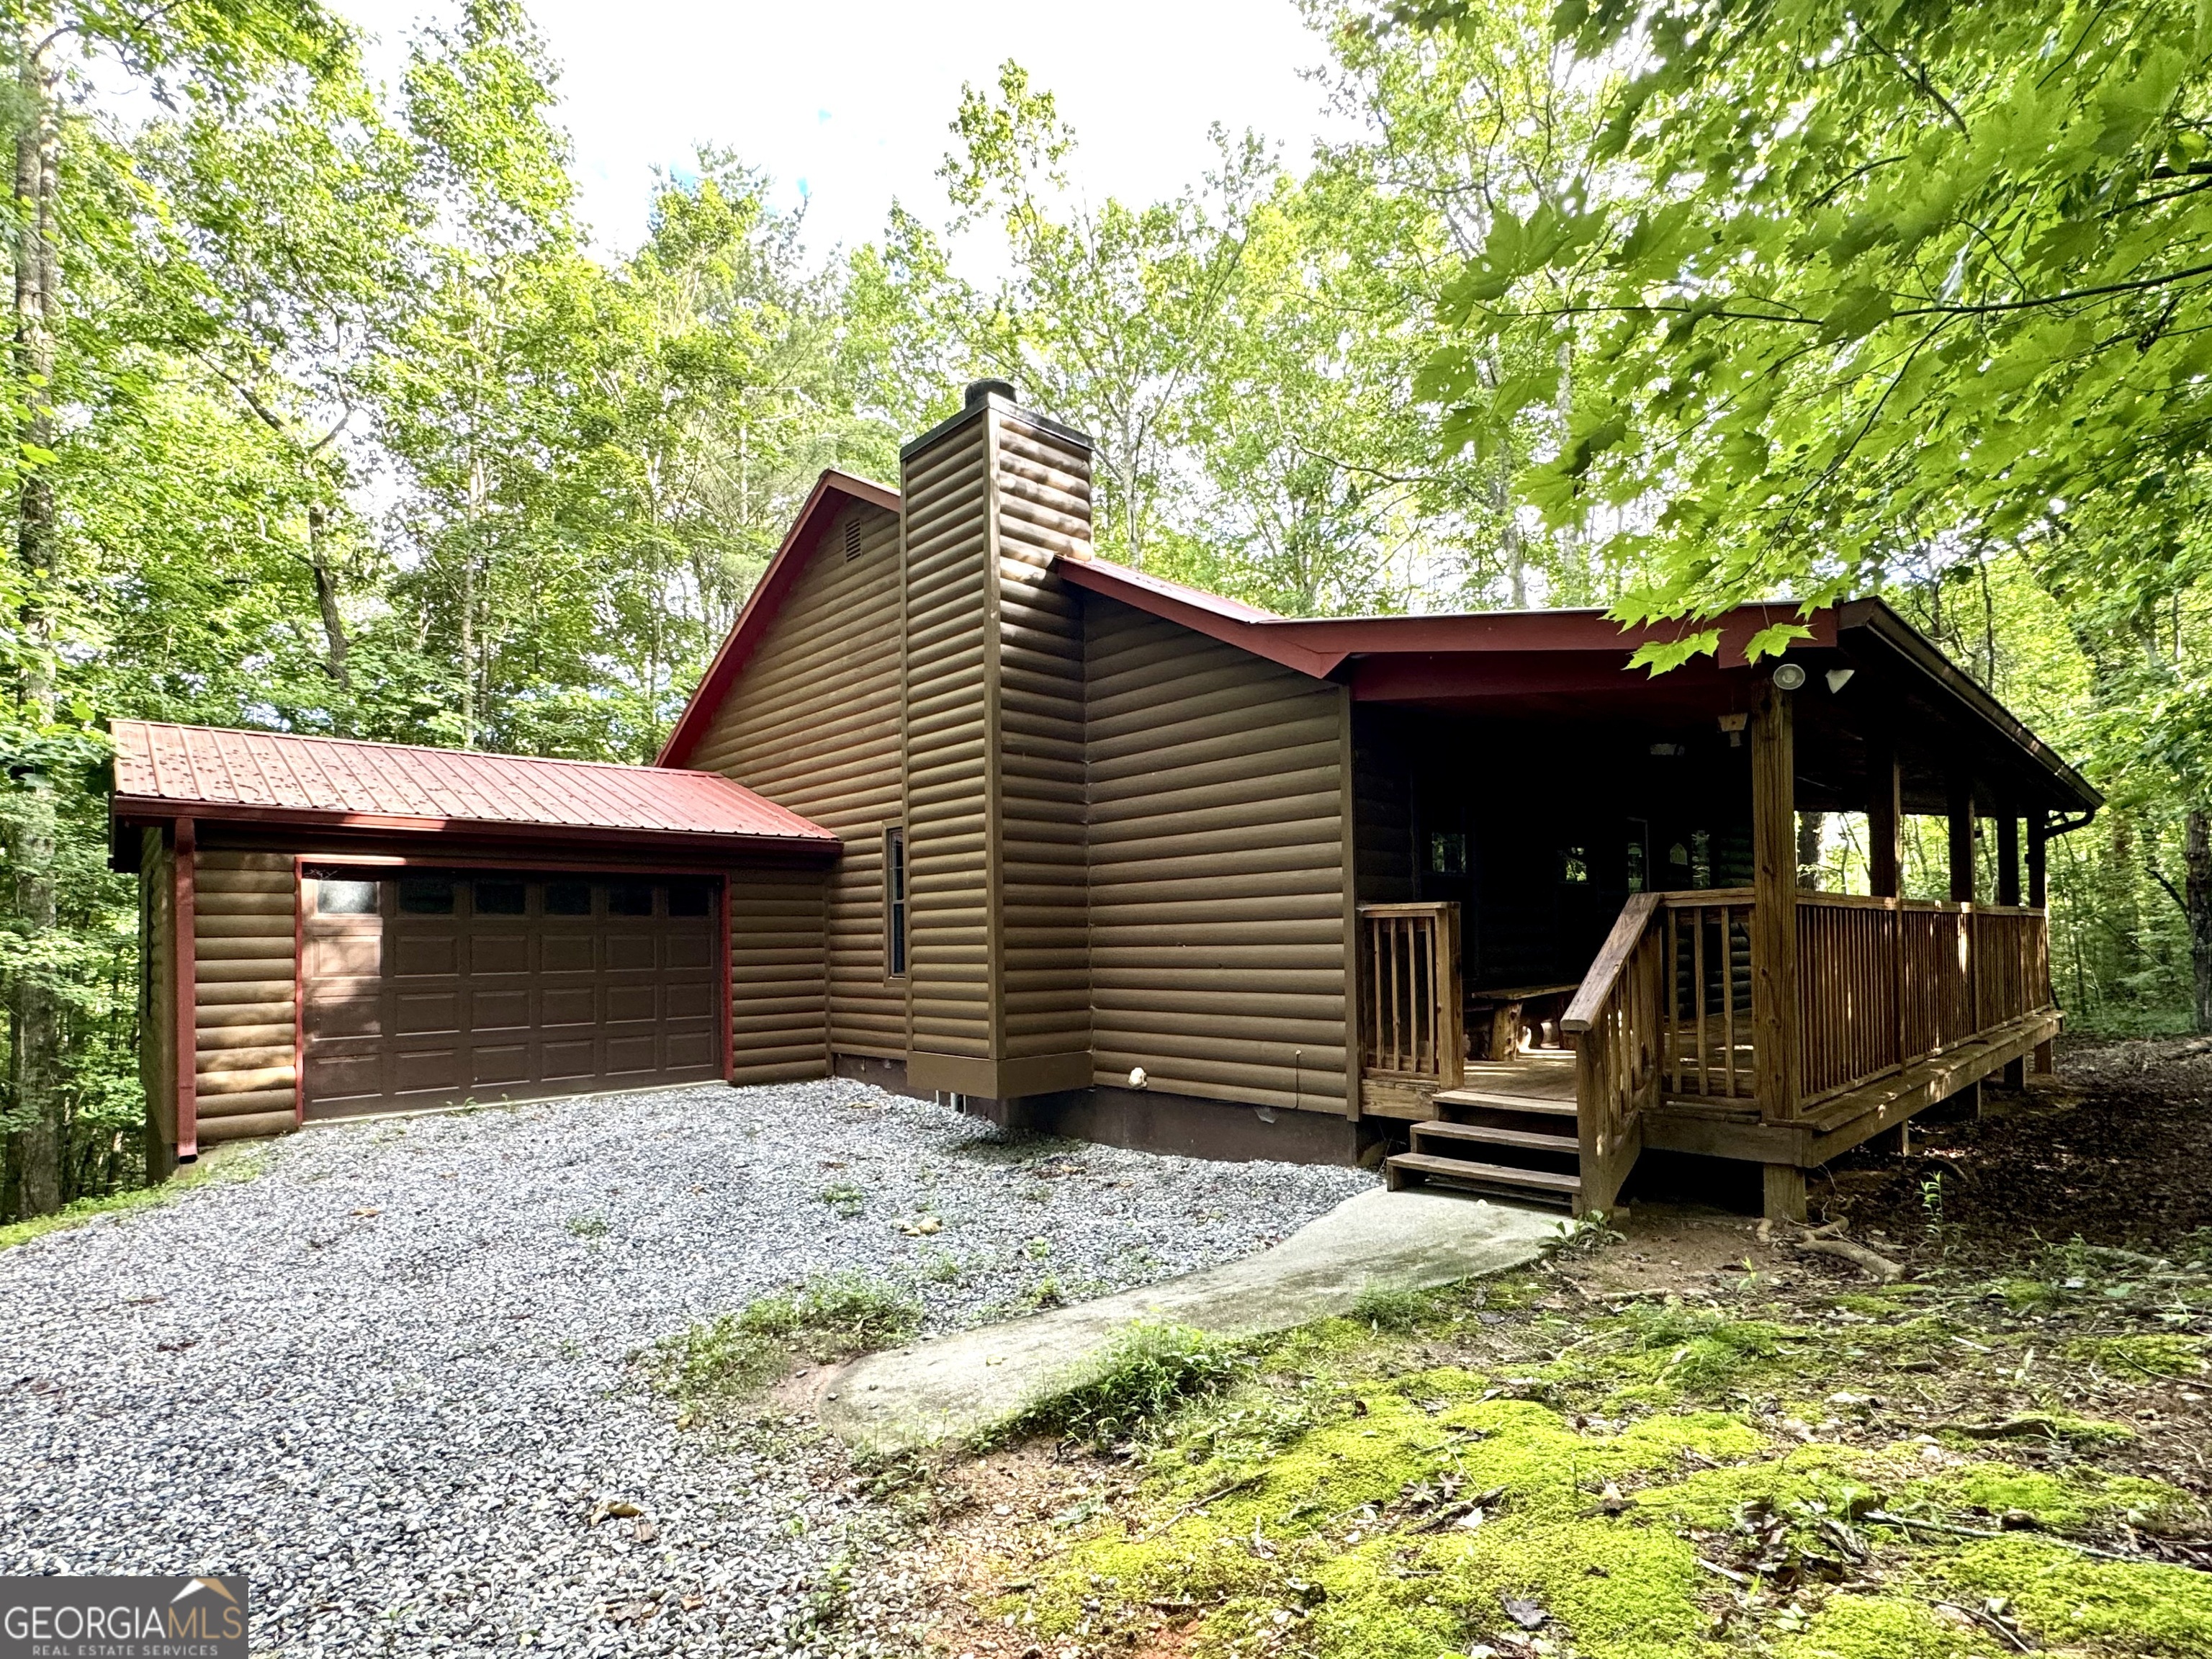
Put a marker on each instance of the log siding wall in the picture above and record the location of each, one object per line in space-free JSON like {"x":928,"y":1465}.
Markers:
{"x":779,"y":976}
{"x":1042,"y":484}
{"x":813,"y":725}
{"x":1216,"y":790}
{"x":1383,"y":810}
{"x":244,"y":948}
{"x":951,"y":663}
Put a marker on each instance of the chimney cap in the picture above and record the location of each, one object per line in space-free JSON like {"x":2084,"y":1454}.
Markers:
{"x":979,"y":391}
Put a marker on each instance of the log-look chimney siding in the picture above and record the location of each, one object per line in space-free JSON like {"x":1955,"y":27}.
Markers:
{"x":999,"y":986}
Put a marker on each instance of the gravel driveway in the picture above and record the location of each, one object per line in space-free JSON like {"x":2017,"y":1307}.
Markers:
{"x":387,"y":1378}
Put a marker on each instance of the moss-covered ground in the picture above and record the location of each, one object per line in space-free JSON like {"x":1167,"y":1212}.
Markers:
{"x":1680,"y":1440}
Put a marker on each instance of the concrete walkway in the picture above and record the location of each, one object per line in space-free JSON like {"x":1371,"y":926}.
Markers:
{"x":958,"y":1385}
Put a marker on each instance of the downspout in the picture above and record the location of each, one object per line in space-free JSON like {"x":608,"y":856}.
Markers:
{"x":298,"y":988}
{"x":185,"y":992}
{"x":728,"y":999}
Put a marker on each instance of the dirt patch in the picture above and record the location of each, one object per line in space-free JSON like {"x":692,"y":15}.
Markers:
{"x":2115,"y":1154}
{"x":1673,"y":1248}
{"x":988,"y":1515}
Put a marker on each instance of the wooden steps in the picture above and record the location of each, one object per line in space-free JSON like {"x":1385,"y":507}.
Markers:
{"x":1509,"y":1134}
{"x":1485,"y":1134}
{"x":1532,"y":1103}
{"x":1511,"y":1180}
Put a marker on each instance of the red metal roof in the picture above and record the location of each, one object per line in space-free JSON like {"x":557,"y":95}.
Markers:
{"x":200,"y":771}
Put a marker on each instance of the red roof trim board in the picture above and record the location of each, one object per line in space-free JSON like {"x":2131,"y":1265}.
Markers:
{"x":831,"y":491}
{"x":1319,"y":645}
{"x":201,"y":772}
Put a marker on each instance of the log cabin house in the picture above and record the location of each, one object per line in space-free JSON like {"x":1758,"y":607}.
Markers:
{"x":963,"y":809}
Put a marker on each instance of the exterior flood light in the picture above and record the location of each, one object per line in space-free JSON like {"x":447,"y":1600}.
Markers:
{"x":1839,"y":678}
{"x":1136,"y":1077}
{"x":1788,"y":677}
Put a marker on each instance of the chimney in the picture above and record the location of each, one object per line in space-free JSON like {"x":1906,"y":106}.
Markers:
{"x":997,"y":979}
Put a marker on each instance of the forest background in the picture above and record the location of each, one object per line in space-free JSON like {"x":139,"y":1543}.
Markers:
{"x":327,"y":417}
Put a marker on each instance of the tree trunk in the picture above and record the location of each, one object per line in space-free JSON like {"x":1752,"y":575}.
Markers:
{"x":1129,"y":510}
{"x":479,"y":491}
{"x":2196,"y":891}
{"x":34,"y":1012}
{"x":1810,"y":827}
{"x":468,"y":648}
{"x":335,"y":644}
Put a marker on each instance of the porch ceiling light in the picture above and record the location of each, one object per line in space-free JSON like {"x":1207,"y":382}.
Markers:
{"x":1788,"y":677}
{"x":1837,"y":678}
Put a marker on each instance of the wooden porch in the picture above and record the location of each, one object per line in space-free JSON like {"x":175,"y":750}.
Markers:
{"x":1766,"y":1023}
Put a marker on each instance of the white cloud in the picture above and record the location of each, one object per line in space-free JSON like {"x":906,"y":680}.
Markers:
{"x":847,"y":105}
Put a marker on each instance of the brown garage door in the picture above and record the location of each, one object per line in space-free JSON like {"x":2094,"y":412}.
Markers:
{"x":426,"y":989}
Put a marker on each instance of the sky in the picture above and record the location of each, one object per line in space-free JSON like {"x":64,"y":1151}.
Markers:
{"x":847,"y":105}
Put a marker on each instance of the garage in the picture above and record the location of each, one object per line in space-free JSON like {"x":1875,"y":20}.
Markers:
{"x":337,"y":928}
{"x":427,"y":986}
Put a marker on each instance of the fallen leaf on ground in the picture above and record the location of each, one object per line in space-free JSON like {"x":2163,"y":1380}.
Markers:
{"x":1529,"y":1615}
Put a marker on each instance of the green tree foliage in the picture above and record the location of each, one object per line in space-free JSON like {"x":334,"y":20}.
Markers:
{"x":1866,"y":297}
{"x":326,"y":420}
{"x":1843,"y":277}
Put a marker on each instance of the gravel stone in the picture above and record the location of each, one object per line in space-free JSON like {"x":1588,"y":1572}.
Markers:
{"x":390,"y":1377}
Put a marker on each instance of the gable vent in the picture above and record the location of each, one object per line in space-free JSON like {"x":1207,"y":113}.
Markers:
{"x":852,"y":539}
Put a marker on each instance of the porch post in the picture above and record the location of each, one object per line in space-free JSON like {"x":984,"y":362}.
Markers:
{"x":1968,"y":1099}
{"x":2038,"y":895}
{"x":1774,"y":920}
{"x":2008,"y":858}
{"x":1885,"y":818}
{"x":2015,"y":1075}
{"x":1962,"y":839}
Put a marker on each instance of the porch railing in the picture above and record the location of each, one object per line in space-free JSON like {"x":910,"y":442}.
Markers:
{"x":1882,"y":984}
{"x":1704,"y":1005}
{"x":1410,"y":1014}
{"x":1885,"y":983}
{"x":1614,"y":1020}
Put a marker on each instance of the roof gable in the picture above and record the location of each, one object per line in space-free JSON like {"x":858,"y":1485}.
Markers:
{"x":831,"y":491}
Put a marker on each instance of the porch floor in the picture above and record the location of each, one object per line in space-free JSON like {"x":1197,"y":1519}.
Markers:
{"x":1537,"y":1079}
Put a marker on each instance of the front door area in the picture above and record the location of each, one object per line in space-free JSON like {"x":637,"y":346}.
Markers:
{"x":427,"y":987}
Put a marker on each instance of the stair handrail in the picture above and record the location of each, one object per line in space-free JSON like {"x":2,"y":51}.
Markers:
{"x":1611,"y":959}
{"x":1614,"y":1020}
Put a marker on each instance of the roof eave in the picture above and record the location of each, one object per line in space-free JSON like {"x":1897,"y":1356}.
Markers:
{"x":1875,"y":619}
{"x":162,"y":809}
{"x":1266,"y":636}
